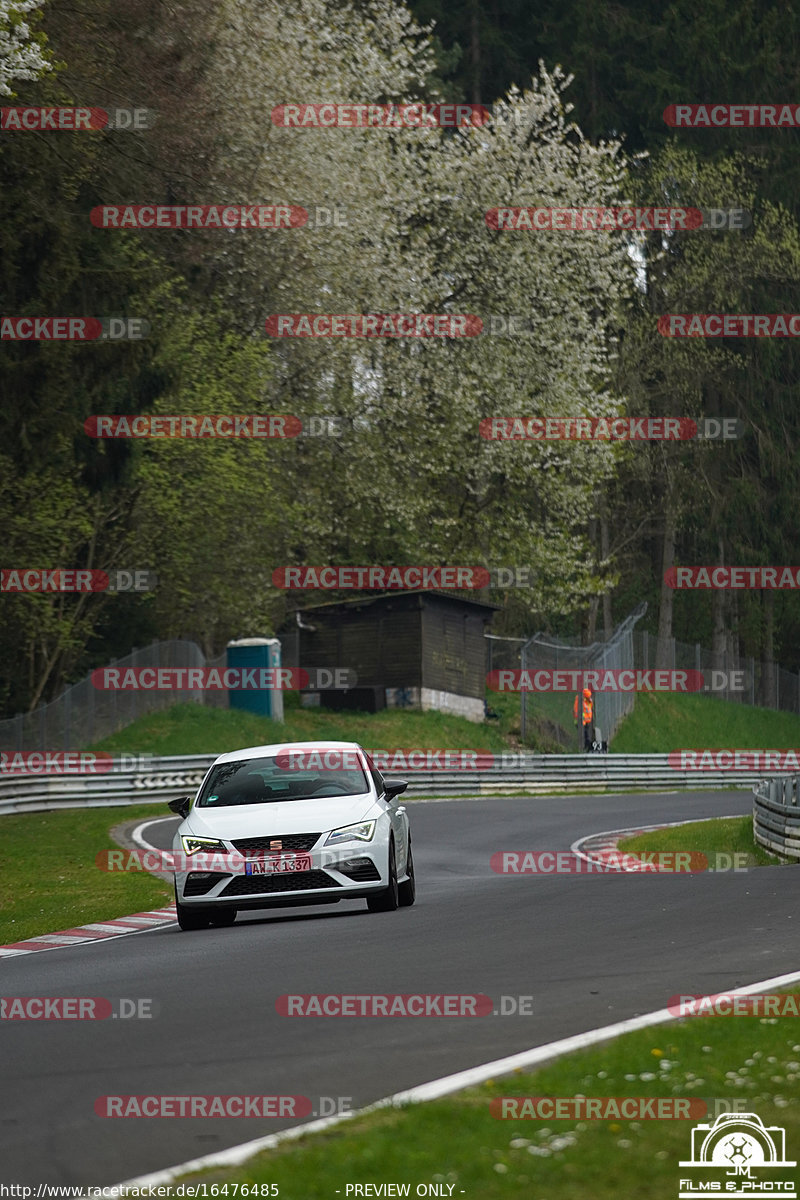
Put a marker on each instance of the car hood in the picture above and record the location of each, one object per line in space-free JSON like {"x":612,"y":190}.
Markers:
{"x":292,"y":816}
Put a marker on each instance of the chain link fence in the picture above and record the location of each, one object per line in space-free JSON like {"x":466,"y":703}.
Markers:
{"x":543,"y":652}
{"x":731,"y":676}
{"x":82,"y":714}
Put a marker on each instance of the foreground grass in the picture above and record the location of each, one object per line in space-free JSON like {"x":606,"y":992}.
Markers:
{"x":725,"y":1060}
{"x":723,"y":836}
{"x":48,"y":877}
{"x":661,"y":722}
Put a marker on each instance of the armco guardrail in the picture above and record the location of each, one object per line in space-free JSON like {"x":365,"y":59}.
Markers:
{"x":163,"y":779}
{"x":776,"y":815}
{"x":159,"y":779}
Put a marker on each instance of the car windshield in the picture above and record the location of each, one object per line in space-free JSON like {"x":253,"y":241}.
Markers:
{"x":275,"y":780}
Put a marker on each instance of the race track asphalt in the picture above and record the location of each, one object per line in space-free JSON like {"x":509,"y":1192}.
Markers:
{"x":589,"y":949}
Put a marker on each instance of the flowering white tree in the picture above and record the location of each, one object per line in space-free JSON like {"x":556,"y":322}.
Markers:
{"x":21,"y":55}
{"x":410,"y":479}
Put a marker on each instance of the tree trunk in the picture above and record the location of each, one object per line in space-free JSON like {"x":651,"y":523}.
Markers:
{"x":475,"y":50}
{"x":664,"y":647}
{"x":591,"y":631}
{"x":768,"y":649}
{"x":719,"y":605}
{"x":608,"y":623}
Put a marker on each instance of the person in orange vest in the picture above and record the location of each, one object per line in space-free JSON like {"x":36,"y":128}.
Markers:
{"x":588,"y":715}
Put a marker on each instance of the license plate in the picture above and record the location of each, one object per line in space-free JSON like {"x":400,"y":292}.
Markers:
{"x":276,"y":865}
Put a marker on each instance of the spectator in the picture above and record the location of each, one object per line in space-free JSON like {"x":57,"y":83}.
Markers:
{"x":588,"y":716}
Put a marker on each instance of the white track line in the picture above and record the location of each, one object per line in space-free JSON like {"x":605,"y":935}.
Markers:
{"x":137,"y":832}
{"x":441,"y":1087}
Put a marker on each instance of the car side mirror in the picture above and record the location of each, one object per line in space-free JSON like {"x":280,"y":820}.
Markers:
{"x":181,"y":806}
{"x":394,"y":787}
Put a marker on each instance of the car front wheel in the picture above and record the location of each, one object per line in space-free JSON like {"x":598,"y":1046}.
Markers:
{"x":388,"y":899}
{"x":189,"y":918}
{"x":407,"y":891}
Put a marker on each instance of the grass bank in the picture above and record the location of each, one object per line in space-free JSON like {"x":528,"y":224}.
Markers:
{"x":49,"y":879}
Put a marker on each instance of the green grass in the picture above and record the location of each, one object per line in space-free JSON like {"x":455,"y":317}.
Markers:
{"x":551,"y":721}
{"x":456,"y":1140}
{"x":725,"y":835}
{"x":48,"y":877}
{"x":661,"y":722}
{"x":196,"y":729}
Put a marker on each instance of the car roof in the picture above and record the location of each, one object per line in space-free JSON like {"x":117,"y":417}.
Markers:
{"x":282,"y":747}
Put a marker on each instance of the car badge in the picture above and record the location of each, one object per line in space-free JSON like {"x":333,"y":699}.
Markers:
{"x":277,"y":844}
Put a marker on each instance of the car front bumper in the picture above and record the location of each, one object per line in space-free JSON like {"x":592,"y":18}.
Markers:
{"x":343,"y":872}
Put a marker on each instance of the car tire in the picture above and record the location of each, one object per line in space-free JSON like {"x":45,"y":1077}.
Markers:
{"x":387,"y":900}
{"x":189,"y":918}
{"x":407,"y":891}
{"x":222,"y":918}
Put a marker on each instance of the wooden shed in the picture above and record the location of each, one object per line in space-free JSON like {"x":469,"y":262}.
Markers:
{"x":422,"y":649}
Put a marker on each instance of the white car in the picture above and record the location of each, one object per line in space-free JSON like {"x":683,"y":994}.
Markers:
{"x":291,"y":824}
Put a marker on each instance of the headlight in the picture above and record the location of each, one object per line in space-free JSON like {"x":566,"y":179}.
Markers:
{"x":192,"y":845}
{"x":363,"y":832}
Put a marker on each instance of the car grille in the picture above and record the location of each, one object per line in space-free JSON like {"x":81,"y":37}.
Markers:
{"x":287,"y":881}
{"x":290,"y":841}
{"x":199,"y":883}
{"x":361,"y":870}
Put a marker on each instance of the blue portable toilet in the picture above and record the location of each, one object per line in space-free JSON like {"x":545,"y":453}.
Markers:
{"x":257,"y":652}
